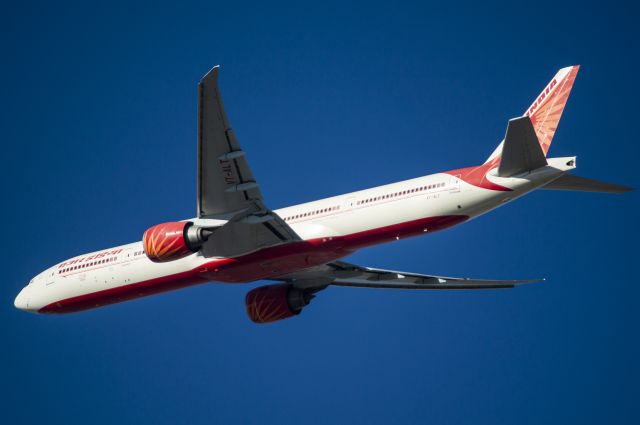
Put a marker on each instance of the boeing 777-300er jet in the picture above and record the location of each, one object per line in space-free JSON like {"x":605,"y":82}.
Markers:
{"x":236,"y":238}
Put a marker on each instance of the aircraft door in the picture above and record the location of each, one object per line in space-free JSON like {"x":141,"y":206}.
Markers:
{"x":349,"y":204}
{"x":49,"y":277}
{"x":454,"y":184}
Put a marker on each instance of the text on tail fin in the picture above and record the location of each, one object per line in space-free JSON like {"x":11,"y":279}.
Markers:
{"x":546,"y":110}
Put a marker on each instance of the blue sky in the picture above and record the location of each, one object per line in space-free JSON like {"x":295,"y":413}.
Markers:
{"x":99,"y":122}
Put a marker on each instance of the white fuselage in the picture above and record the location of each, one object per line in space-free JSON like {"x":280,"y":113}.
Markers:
{"x":125,"y":272}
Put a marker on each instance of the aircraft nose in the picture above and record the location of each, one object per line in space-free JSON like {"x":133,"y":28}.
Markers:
{"x":22,"y":300}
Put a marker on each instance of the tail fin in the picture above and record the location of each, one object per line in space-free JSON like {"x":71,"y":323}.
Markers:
{"x":521,"y":151}
{"x":546,"y":110}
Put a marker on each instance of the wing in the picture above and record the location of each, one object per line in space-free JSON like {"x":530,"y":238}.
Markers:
{"x":226,"y":185}
{"x":227,"y":189}
{"x":344,"y":274}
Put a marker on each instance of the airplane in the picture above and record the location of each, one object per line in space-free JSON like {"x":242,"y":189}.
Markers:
{"x":236,"y":238}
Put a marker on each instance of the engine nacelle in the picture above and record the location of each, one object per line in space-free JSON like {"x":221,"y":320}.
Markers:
{"x":275,"y":302}
{"x":173,"y":240}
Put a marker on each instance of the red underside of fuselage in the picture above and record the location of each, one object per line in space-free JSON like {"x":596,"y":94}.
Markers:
{"x":264,"y":264}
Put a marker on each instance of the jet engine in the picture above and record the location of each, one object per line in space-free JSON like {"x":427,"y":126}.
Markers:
{"x":173,"y":240}
{"x":275,"y":302}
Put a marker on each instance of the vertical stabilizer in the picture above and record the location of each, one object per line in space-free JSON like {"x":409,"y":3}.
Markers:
{"x":546,"y":110}
{"x":521,"y":151}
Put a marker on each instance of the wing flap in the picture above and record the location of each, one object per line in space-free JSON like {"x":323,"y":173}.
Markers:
{"x":249,"y":231}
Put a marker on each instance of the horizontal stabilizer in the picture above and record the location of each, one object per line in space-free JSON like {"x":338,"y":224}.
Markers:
{"x":521,"y":151}
{"x":570,"y":182}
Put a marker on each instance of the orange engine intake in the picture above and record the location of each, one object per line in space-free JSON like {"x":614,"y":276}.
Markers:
{"x":275,"y":302}
{"x":173,"y":240}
